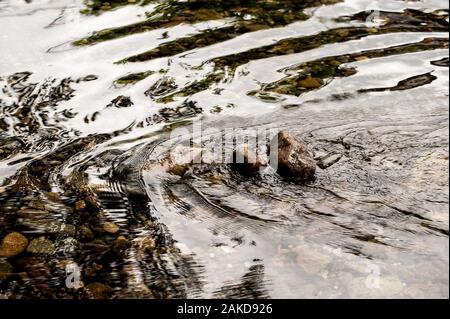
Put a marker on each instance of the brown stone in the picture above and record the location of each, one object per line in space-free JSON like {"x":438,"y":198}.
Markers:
{"x":41,"y":246}
{"x":85,"y":234}
{"x":13,"y":244}
{"x":5,"y":270}
{"x":110,"y":227}
{"x":80,"y":205}
{"x":97,"y":290}
{"x":294,"y":158}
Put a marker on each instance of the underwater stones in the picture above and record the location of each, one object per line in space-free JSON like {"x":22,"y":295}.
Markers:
{"x":69,"y":246}
{"x":311,"y":83}
{"x":68,"y":229}
{"x":328,"y":160}
{"x":13,"y":244}
{"x":121,"y":101}
{"x":85,"y":234}
{"x":246,"y":161}
{"x":295,"y":161}
{"x":10,"y":147}
{"x":80,"y":205}
{"x":98,"y":290}
{"x":5,"y":270}
{"x":133,"y":78}
{"x":164,"y":86}
{"x":41,"y":246}
{"x":145,"y":244}
{"x":110,"y":228}
{"x":120,"y":244}
{"x":39,"y":220}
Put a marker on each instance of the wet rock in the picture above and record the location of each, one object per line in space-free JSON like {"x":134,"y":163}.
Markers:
{"x":41,"y":246}
{"x":69,"y":246}
{"x":146,"y":244}
{"x":294,"y":158}
{"x":121,"y":102}
{"x":120,"y":244}
{"x":311,"y":83}
{"x":87,"y":78}
{"x":13,"y":244}
{"x":5,"y":270}
{"x":246,"y":161}
{"x":68,"y":229}
{"x":37,"y":270}
{"x":164,"y":86}
{"x":328,"y":160}
{"x":85,"y":234}
{"x":80,"y":205}
{"x":442,"y":62}
{"x":110,"y":228}
{"x":97,"y":290}
{"x":9,"y":147}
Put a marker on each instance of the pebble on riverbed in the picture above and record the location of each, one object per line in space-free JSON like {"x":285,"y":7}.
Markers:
{"x":98,"y":290}
{"x":42,"y":246}
{"x":5,"y":270}
{"x":13,"y":244}
{"x":295,"y":160}
{"x":85,"y":234}
{"x":110,"y":227}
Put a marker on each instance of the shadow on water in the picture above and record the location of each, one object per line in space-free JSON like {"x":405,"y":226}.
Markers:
{"x":93,"y":206}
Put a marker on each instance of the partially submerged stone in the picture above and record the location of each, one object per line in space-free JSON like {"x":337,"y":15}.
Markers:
{"x":13,"y":244}
{"x":247,"y":161}
{"x":295,"y":160}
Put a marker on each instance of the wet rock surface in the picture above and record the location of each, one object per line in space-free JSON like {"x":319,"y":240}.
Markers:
{"x":41,"y":246}
{"x":13,"y":244}
{"x":295,"y":160}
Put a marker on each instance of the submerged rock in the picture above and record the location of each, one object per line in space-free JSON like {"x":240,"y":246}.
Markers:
{"x":85,"y":234}
{"x":5,"y":270}
{"x":41,"y":245}
{"x":80,"y":205}
{"x":120,"y":244}
{"x":97,"y":290}
{"x":13,"y":244}
{"x":110,"y":227}
{"x":294,"y":158}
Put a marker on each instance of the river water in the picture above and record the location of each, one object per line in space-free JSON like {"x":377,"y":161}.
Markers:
{"x":93,"y":93}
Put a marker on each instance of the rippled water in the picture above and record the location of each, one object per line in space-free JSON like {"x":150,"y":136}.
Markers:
{"x":91,"y":94}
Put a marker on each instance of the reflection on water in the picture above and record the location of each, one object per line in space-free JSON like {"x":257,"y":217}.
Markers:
{"x":91,"y":206}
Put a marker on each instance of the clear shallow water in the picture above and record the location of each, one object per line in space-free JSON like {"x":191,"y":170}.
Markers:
{"x":80,"y":143}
